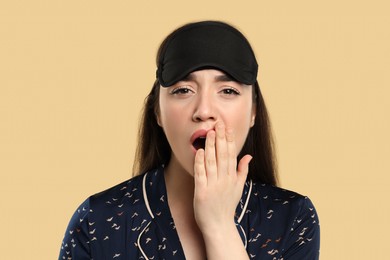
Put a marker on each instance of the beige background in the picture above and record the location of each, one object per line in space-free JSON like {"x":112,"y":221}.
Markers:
{"x":73,"y":76}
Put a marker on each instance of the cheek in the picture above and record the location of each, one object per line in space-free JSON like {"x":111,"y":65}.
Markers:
{"x":170,"y":118}
{"x":241,"y":122}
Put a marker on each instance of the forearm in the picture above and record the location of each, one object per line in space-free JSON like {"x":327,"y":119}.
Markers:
{"x":224,"y":243}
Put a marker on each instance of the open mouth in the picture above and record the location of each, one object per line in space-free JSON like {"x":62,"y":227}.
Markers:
{"x":199,"y":143}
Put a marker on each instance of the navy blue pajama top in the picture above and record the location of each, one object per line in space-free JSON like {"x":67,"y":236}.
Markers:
{"x":132,"y":220}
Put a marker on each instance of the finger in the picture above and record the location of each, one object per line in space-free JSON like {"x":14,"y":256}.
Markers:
{"x":231,"y":149}
{"x":210,"y":159}
{"x":243,"y":168}
{"x":221,"y":150}
{"x":199,"y":169}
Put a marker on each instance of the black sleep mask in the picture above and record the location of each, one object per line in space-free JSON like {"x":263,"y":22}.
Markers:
{"x":206,"y":44}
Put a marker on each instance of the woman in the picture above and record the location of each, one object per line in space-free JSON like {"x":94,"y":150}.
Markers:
{"x":206,"y":187}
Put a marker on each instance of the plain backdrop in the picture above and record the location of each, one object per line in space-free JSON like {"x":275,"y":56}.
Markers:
{"x":74,"y":75}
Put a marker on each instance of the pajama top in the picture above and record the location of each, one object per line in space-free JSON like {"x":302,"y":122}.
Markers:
{"x":132,"y":220}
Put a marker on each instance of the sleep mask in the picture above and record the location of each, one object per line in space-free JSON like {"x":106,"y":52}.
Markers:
{"x":203,"y":45}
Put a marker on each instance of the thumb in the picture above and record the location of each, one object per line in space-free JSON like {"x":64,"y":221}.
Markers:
{"x":243,"y":168}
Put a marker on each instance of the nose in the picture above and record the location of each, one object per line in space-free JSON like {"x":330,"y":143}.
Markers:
{"x":204,"y":109}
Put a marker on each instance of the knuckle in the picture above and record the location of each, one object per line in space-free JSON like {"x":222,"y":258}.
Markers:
{"x":210,"y":161}
{"x":223,"y":155}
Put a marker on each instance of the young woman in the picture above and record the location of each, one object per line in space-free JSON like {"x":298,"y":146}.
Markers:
{"x":206,"y":186}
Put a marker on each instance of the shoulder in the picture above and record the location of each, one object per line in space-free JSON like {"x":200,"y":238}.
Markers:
{"x":264,"y":196}
{"x":288,"y":219}
{"x":282,"y":207}
{"x":113,"y":197}
{"x":102,"y":215}
{"x":130,"y":189}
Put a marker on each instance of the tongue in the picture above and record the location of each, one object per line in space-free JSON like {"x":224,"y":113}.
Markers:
{"x":199,"y":143}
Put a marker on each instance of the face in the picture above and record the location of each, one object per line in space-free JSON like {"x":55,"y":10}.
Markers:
{"x":193,"y":106}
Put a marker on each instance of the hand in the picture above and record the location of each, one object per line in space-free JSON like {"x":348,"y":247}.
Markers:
{"x":218,"y":180}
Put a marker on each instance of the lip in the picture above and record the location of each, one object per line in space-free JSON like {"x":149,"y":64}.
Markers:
{"x":197,"y":134}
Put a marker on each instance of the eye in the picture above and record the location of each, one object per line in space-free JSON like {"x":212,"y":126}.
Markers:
{"x":181,"y":91}
{"x":230,"y":91}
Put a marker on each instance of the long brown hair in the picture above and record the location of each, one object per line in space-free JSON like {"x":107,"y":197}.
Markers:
{"x":153,"y":148}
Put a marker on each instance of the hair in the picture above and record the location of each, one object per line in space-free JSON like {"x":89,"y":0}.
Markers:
{"x":153,"y":148}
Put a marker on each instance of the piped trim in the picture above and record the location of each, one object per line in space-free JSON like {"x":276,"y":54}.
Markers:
{"x":151,"y":214}
{"x":243,"y":232}
{"x":146,"y":196}
{"x":139,"y":239}
{"x":243,"y":213}
{"x":246,"y":202}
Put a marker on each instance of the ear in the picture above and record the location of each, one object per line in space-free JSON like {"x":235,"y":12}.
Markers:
{"x":157,"y":115}
{"x":253,"y":115}
{"x":253,"y":121}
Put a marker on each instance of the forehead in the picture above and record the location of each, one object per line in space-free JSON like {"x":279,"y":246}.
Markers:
{"x":212,"y":74}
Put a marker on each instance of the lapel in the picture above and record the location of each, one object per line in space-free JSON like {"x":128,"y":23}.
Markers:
{"x":159,"y":238}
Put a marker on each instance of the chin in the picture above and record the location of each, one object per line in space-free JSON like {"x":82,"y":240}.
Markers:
{"x":191,"y":173}
{"x":184,"y":165}
{"x":189,"y":170}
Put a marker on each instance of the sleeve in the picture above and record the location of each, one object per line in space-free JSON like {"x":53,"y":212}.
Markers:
{"x":76,"y":240}
{"x":304,"y":239}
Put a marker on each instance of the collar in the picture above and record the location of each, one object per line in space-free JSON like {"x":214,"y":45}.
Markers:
{"x":155,"y":196}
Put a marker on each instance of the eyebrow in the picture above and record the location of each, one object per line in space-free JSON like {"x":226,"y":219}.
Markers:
{"x":223,"y":78}
{"x":219,"y":78}
{"x":189,"y":77}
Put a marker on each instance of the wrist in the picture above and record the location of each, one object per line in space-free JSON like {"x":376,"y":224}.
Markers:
{"x":219,"y":231}
{"x":224,"y":243}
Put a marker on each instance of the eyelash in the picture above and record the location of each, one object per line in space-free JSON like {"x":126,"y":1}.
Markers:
{"x":185,"y":90}
{"x":232,"y":91}
{"x":180,"y":90}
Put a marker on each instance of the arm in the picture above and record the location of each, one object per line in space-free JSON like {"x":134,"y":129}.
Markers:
{"x":75,"y":244}
{"x":304,"y":239}
{"x":225,"y":243}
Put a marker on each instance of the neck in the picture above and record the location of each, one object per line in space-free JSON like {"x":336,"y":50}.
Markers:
{"x":180,"y":186}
